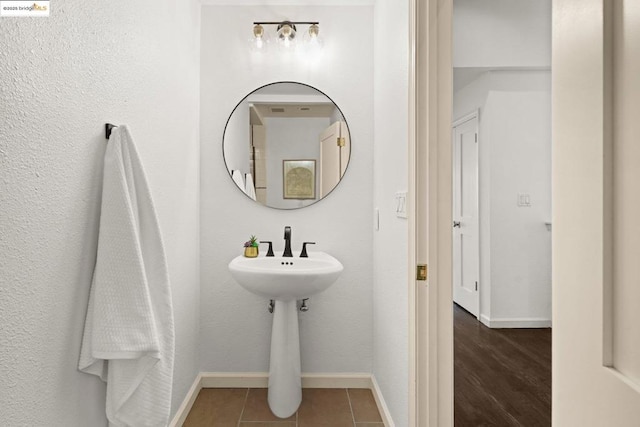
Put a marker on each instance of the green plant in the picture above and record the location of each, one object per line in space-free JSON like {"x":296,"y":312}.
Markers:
{"x":251,"y":243}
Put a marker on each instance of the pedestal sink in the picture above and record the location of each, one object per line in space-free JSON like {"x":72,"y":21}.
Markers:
{"x":285,"y":280}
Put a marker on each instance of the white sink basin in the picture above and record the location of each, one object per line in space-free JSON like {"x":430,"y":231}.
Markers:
{"x":286,"y":279}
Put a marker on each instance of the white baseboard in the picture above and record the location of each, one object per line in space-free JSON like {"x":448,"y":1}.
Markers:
{"x":187,"y":403}
{"x":515,"y":323}
{"x":261,"y":380}
{"x":234,"y":379}
{"x":382,"y":405}
{"x":354,"y":380}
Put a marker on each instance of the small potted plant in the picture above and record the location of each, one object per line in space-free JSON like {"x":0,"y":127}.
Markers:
{"x":251,"y":247}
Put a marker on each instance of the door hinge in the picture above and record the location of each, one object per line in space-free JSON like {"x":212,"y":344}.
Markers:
{"x":342,"y":141}
{"x":421,"y":272}
{"x":476,"y":138}
{"x":476,"y":286}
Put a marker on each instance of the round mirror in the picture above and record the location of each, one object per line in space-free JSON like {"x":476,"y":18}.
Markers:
{"x":286,"y":145}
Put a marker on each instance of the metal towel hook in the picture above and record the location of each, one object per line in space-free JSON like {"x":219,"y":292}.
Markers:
{"x":108,"y":127}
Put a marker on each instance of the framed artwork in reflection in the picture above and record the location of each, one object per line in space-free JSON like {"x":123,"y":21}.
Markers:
{"x":299,"y":179}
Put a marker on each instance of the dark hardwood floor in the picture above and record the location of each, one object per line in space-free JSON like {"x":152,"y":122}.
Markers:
{"x":502,"y":377}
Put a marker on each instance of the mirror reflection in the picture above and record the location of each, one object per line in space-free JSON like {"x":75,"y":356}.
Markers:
{"x":286,"y":145}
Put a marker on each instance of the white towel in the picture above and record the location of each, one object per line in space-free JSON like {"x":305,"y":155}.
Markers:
{"x":238,"y":179}
{"x":128,"y":336}
{"x":250,"y":188}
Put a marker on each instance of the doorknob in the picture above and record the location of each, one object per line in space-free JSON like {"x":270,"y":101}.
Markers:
{"x":456,"y":224}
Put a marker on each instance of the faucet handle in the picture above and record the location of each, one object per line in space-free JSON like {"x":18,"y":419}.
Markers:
{"x":303,"y":254}
{"x":270,"y":250}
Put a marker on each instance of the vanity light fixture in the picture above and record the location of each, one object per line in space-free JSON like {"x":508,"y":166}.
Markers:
{"x":312,"y":38}
{"x":285,"y":34}
{"x":258,"y":40}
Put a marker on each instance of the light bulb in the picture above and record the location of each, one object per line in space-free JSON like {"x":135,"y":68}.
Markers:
{"x":287,"y":35}
{"x":312,"y":39}
{"x":258,"y":42}
{"x":314,"y":31}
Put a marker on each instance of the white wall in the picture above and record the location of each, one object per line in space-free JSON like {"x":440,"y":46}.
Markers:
{"x":519,"y":109}
{"x":336,"y":116}
{"x":336,"y":334}
{"x":291,"y":139}
{"x":490,"y":38}
{"x":515,"y":157}
{"x":390,"y":296}
{"x":61,"y":79}
{"x":502,"y":33}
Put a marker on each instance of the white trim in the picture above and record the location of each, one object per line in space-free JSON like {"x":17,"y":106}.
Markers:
{"x":412,"y":211}
{"x":380,"y":403}
{"x":261,"y":380}
{"x":431,"y":187}
{"x":287,"y":2}
{"x":475,"y":114}
{"x":182,"y":412}
{"x":419,"y":363}
{"x":235,"y":379}
{"x":515,"y":322}
{"x":355,"y":380}
{"x":624,"y":378}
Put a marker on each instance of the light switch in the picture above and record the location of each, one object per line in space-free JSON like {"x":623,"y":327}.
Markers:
{"x":401,"y":204}
{"x":524,"y":200}
{"x":376,"y":219}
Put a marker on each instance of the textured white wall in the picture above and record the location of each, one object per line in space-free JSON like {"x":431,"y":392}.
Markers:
{"x":514,"y":157}
{"x":390,"y":296}
{"x":336,"y":334}
{"x":61,"y":79}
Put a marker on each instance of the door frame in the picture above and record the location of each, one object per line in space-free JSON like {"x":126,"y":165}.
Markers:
{"x":430,"y":207}
{"x":585,"y":96}
{"x":475,"y":114}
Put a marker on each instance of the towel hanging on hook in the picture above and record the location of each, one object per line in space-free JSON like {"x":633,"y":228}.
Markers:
{"x":129,"y":335}
{"x":107,"y":129}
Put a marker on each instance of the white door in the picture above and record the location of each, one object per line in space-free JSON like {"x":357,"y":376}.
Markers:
{"x":596,"y":213}
{"x":335,"y":149}
{"x":466,"y":245}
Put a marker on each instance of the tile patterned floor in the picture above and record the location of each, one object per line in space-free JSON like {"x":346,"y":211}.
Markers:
{"x":320,"y":407}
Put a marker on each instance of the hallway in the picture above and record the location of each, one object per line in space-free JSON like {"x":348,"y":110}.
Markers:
{"x":502,"y":377}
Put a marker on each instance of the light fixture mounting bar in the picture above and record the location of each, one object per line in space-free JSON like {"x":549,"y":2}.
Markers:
{"x":288,"y":22}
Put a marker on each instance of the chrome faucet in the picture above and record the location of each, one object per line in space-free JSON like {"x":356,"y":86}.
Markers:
{"x":287,"y":242}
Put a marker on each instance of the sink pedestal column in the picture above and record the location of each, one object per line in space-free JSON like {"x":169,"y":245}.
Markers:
{"x":285,"y":385}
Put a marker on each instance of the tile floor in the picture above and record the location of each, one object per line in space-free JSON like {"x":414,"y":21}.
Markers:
{"x":320,"y":407}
